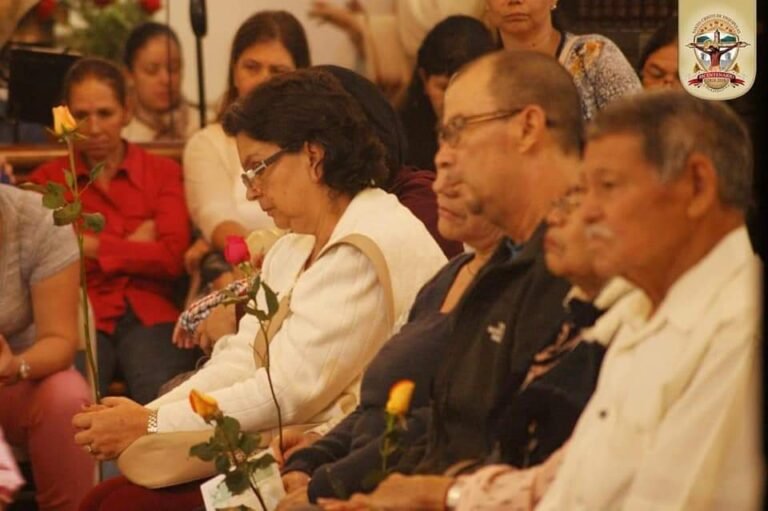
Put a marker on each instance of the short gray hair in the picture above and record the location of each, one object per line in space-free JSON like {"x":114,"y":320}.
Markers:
{"x":674,"y":124}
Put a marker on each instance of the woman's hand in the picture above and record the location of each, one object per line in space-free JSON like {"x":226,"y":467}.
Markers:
{"x":9,"y":364}
{"x":145,"y":232}
{"x":295,"y":480}
{"x":107,"y":429}
{"x":293,"y":440}
{"x":342,"y":17}
{"x":194,"y":255}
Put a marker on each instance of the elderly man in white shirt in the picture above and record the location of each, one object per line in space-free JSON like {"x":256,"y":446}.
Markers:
{"x":674,"y":421}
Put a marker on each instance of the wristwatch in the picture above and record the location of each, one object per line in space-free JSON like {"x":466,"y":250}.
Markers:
{"x":152,"y":422}
{"x":453,"y":495}
{"x":24,"y":369}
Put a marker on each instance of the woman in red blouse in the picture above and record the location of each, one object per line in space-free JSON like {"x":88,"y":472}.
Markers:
{"x":133,"y":263}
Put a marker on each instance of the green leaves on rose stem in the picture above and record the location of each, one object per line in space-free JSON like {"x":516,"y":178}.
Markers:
{"x":67,"y":214}
{"x":272,"y":302}
{"x":94,"y":221}
{"x":236,"y":481}
{"x":53,"y":196}
{"x":206,"y":451}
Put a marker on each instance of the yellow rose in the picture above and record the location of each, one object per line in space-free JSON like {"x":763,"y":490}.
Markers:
{"x":400,"y":397}
{"x":63,"y":122}
{"x":203,"y":405}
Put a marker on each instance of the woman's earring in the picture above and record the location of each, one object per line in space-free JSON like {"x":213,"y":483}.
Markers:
{"x":554,"y":6}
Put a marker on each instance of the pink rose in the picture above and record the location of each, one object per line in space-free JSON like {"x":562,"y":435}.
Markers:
{"x":150,"y":6}
{"x":236,"y":251}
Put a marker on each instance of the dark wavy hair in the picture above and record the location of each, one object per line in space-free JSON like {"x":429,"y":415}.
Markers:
{"x":262,"y":27}
{"x":100,"y":69}
{"x":142,"y":34}
{"x":452,"y":43}
{"x":310,"y":105}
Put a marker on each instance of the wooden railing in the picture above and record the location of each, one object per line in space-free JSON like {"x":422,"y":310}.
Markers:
{"x":26,"y":157}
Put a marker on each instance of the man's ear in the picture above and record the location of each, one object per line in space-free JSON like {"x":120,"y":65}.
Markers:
{"x":532,"y":125}
{"x":316,"y":157}
{"x":703,"y":184}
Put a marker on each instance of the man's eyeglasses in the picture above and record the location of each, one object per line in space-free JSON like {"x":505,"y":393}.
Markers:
{"x":451,"y":132}
{"x":252,"y":172}
{"x":570,"y":200}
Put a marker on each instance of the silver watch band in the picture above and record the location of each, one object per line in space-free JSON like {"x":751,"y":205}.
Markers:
{"x":152,"y":422}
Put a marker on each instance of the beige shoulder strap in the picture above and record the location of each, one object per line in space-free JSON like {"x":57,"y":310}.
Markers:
{"x":372,"y":251}
{"x":369,"y":248}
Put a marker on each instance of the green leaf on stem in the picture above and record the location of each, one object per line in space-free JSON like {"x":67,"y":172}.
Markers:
{"x":272,"y":301}
{"x":249,"y":444}
{"x":94,"y":221}
{"x":231,"y":429}
{"x":67,"y":214}
{"x":236,"y":481}
{"x":262,"y":462}
{"x":95,"y":171}
{"x":205,"y":451}
{"x":222,"y":463}
{"x":53,"y":196}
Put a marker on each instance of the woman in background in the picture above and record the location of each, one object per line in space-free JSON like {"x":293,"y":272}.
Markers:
{"x":599,"y":68}
{"x":658,"y":60}
{"x":135,"y":262}
{"x":449,"y":45}
{"x":266,"y":44}
{"x":153,"y":63}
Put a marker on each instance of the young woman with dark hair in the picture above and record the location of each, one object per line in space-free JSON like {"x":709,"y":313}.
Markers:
{"x":152,"y":58}
{"x":449,"y":45}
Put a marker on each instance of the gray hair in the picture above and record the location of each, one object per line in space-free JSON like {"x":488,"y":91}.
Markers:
{"x":673,"y":125}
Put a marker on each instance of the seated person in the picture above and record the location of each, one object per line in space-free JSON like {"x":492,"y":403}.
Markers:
{"x":152,"y":58}
{"x":449,"y":45}
{"x":133,"y":264}
{"x":266,"y":44}
{"x":674,"y":420}
{"x":313,"y":162}
{"x":10,"y":478}
{"x":39,"y":389}
{"x":658,"y":60}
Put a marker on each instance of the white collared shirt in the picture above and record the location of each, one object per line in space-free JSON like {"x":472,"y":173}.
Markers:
{"x":674,"y":422}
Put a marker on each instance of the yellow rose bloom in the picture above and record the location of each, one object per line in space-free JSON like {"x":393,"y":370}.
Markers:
{"x":63,"y":122}
{"x":400,"y":397}
{"x":203,"y":405}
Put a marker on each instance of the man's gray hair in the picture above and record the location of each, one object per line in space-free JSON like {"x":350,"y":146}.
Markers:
{"x":673,"y":125}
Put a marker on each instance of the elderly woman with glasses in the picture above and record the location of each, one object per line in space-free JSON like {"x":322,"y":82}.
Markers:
{"x":313,"y":165}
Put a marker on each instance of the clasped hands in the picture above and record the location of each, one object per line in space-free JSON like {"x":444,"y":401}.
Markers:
{"x":107,"y":429}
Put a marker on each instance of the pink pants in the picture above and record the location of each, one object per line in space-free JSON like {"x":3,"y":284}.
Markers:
{"x":37,"y":416}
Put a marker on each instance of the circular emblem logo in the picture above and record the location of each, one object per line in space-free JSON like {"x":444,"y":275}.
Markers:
{"x":716,"y":44}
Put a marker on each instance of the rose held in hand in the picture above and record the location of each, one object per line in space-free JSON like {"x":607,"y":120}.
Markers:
{"x":203,"y":405}
{"x":236,"y":252}
{"x":63,"y":122}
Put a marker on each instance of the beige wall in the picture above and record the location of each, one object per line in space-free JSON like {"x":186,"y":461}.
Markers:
{"x":327,"y":44}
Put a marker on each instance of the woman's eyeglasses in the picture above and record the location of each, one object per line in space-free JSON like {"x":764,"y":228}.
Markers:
{"x":254,"y":171}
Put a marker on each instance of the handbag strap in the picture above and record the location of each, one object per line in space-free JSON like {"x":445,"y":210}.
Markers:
{"x":369,"y":248}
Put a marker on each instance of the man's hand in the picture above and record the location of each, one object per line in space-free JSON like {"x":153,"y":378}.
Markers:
{"x":293,"y":440}
{"x":295,"y":480}
{"x":398,"y":492}
{"x":106,"y":430}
